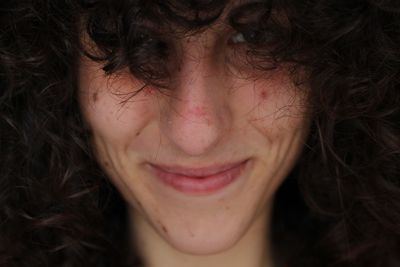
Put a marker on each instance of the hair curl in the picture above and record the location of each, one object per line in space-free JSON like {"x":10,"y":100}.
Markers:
{"x":340,"y":206}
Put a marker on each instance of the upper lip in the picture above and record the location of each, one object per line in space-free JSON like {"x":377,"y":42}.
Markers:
{"x":197,"y":172}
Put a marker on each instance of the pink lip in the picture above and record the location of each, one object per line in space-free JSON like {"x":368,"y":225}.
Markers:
{"x":199,"y":180}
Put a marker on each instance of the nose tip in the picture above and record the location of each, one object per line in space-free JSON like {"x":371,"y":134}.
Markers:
{"x":194,"y":126}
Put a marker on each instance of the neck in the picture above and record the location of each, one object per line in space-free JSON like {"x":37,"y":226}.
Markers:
{"x":252,"y":250}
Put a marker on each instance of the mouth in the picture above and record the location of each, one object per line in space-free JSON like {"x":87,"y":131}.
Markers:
{"x":205,"y":180}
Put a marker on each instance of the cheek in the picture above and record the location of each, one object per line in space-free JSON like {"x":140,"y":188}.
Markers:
{"x":108,"y":106}
{"x":114,"y":121}
{"x":273,"y":106}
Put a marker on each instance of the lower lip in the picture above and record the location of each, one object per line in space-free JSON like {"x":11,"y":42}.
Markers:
{"x":200,"y":185}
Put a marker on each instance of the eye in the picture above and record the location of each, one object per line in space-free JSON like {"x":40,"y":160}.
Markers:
{"x":237,"y":38}
{"x":253,"y":37}
{"x":244,"y":37}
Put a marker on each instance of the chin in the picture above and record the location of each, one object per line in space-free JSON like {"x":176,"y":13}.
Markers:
{"x":202,"y":245}
{"x":206,"y":237}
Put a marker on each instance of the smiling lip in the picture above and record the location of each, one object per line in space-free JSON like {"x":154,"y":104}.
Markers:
{"x":199,"y":180}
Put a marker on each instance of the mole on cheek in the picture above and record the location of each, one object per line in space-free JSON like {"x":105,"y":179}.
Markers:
{"x":94,"y":97}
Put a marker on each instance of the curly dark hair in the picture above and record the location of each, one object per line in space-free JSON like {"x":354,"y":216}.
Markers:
{"x":340,"y":205}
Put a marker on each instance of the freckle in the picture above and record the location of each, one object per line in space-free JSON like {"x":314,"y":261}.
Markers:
{"x":106,"y":164}
{"x":227,"y":208}
{"x":94,"y":97}
{"x":138,"y":133}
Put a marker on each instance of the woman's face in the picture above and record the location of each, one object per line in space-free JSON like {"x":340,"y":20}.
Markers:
{"x":200,"y":164}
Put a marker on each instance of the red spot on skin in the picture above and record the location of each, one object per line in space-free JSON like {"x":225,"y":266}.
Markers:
{"x":263,"y":95}
{"x":149,"y":91}
{"x":138,"y":133}
{"x":199,"y":111}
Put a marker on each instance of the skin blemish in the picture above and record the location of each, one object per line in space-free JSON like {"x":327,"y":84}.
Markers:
{"x":106,"y":164}
{"x":95,"y":97}
{"x":149,"y":91}
{"x":191,"y":233}
{"x":198,"y":111}
{"x":263,"y":95}
{"x":164,"y":229}
{"x":227,"y":208}
{"x":138,"y":133}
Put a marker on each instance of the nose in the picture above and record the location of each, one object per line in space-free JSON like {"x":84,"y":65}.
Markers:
{"x":198,"y":116}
